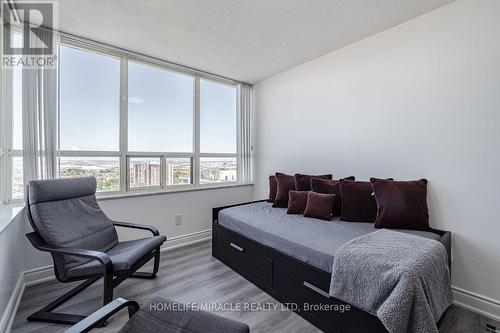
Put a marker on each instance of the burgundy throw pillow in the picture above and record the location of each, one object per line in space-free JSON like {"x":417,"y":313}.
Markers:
{"x":358,"y":202}
{"x":319,"y":205}
{"x":303,"y":182}
{"x":330,"y":187}
{"x":401,"y":204}
{"x":273,"y":188}
{"x":297,"y":201}
{"x":286,"y":183}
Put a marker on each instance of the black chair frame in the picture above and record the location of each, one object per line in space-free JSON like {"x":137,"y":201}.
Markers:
{"x":100,"y":316}
{"x":111,"y":279}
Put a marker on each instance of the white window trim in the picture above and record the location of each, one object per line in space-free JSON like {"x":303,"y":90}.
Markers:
{"x":7,"y":153}
{"x":123,"y":152}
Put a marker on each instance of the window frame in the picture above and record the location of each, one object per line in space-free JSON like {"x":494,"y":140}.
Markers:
{"x":89,"y":153}
{"x":236,"y":155}
{"x":7,"y":151}
{"x":153,"y":188}
{"x":124,"y":154}
{"x":125,"y":97}
{"x":101,"y":52}
{"x":179,"y":186}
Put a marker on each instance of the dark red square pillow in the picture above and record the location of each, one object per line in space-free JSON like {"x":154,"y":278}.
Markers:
{"x":358,"y":202}
{"x":273,"y":188}
{"x":330,"y":187}
{"x":303,"y":182}
{"x":297,"y":201}
{"x":401,"y":204}
{"x":319,"y":205}
{"x":286,"y":183}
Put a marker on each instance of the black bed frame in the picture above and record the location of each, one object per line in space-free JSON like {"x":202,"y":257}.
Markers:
{"x":294,"y":282}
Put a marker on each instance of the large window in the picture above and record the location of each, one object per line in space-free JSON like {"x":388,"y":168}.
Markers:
{"x":135,"y":123}
{"x":217,"y":170}
{"x":160,"y":110}
{"x":89,"y":116}
{"x":138,"y":125}
{"x":17,"y":103}
{"x":106,"y":170}
{"x":17,"y":127}
{"x":89,"y":109}
{"x":217,"y":117}
{"x":218,"y":131}
{"x":179,"y":171}
{"x":144,"y":172}
{"x":17,"y":178}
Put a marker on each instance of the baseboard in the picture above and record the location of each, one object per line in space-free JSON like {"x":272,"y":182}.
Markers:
{"x":46,"y":273}
{"x":11,"y":309}
{"x":38,"y":275}
{"x":483,"y":305}
{"x":188,"y":239}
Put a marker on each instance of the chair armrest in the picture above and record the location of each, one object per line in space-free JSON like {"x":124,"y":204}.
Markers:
{"x":151,"y":228}
{"x":41,"y":245}
{"x":100,"y":316}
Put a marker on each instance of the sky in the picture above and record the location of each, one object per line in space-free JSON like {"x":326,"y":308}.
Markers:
{"x":160,"y":108}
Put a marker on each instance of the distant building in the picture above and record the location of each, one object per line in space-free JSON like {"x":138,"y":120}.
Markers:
{"x":227,"y":175}
{"x":146,"y":174}
{"x":217,"y":174}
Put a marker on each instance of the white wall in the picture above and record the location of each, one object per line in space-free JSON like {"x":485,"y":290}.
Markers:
{"x":421,"y":99}
{"x":158,"y":210}
{"x":11,"y":265}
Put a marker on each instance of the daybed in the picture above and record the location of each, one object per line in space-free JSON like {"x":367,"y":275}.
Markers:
{"x":290,"y":257}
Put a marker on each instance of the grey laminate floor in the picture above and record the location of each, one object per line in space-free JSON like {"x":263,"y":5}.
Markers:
{"x":191,"y":274}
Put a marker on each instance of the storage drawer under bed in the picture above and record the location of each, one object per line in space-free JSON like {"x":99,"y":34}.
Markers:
{"x":316,"y":300}
{"x":239,"y":252}
{"x":303,"y":287}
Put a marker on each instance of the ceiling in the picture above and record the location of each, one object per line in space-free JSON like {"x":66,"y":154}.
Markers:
{"x":246,"y":40}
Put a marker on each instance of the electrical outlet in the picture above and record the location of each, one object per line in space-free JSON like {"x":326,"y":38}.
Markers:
{"x":178,"y":219}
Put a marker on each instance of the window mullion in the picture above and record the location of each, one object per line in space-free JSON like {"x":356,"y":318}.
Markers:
{"x":163,"y":172}
{"x":196,"y":160}
{"x":123,"y":123}
{"x":238,"y":137}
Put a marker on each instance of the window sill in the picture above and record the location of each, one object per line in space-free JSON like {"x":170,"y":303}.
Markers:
{"x":138,"y":193}
{"x":8,"y":213}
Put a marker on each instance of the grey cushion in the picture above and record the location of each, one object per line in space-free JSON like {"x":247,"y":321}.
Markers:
{"x":65,"y":213}
{"x":151,"y":320}
{"x":123,"y":255}
{"x":60,"y":189}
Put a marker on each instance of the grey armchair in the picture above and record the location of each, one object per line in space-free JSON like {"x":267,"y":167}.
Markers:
{"x":160,"y":314}
{"x":69,"y":224}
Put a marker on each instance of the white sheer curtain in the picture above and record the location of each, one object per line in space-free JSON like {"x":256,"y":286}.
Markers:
{"x":39,"y":117}
{"x":244,"y":125}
